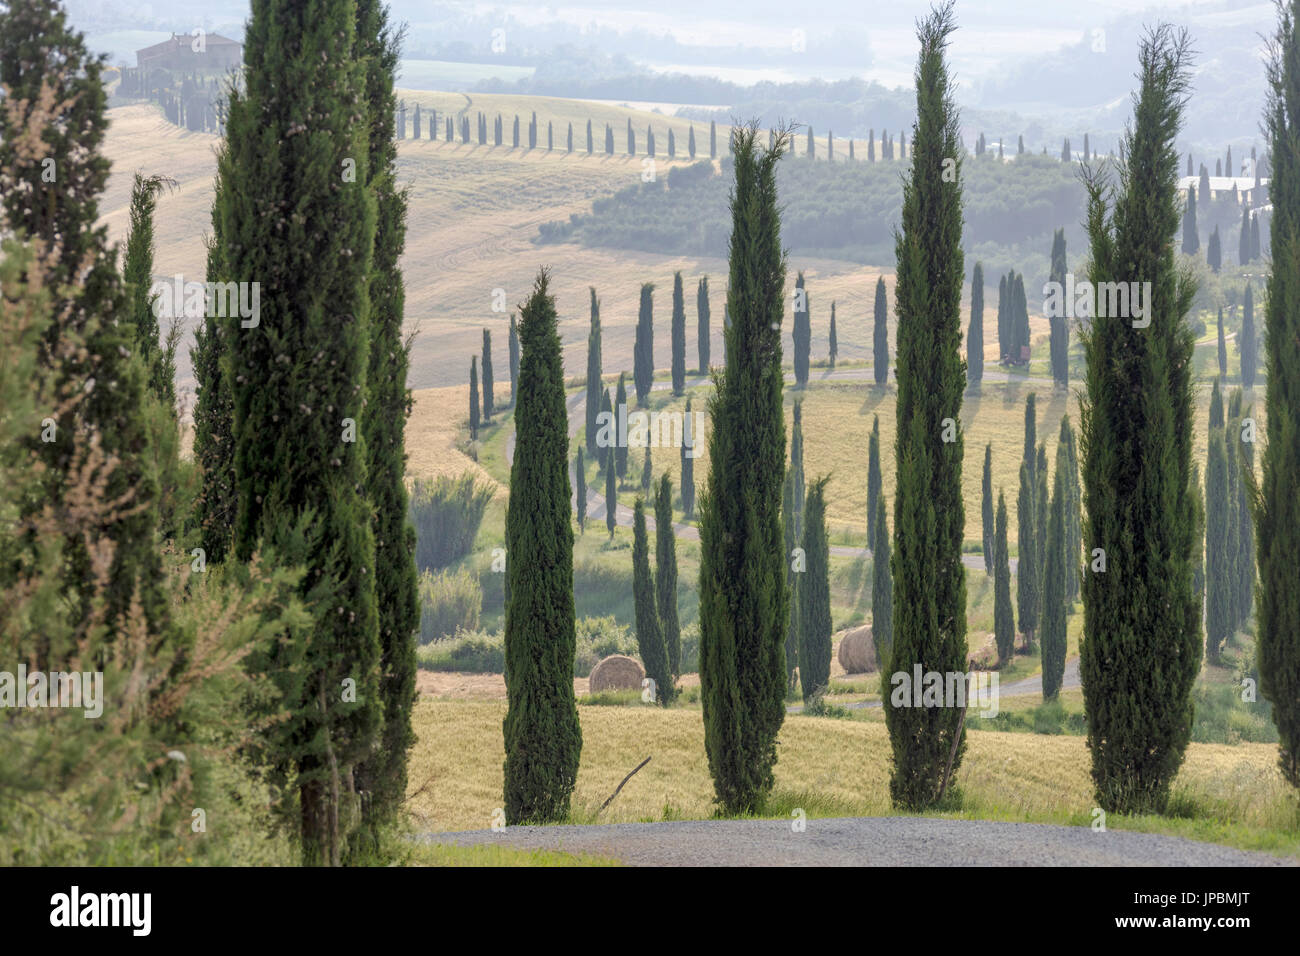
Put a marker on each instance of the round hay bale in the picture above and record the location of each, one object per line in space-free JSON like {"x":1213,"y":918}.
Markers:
{"x":616,"y":672}
{"x":857,"y":651}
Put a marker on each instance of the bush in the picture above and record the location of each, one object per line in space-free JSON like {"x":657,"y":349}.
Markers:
{"x":446,"y":514}
{"x":450,"y":602}
{"x":468,"y":652}
{"x":598,"y":638}
{"x":691,"y":648}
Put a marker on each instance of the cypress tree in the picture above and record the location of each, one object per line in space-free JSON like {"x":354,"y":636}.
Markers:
{"x":620,"y":447}
{"x":646,"y":474}
{"x":1191,"y":238}
{"x":702,"y":323}
{"x":595,"y":389}
{"x":611,"y":492}
{"x":882,"y":595}
{"x":605,"y":452}
{"x":1243,"y":241}
{"x":743,"y":608}
{"x":302,"y":499}
{"x":649,"y":632}
{"x":609,"y":140}
{"x":1243,"y":462}
{"x":137,"y":274}
{"x":631,"y":138}
{"x":1004,"y":622}
{"x":1020,"y":145}
{"x":489,"y":402}
{"x":929,"y":516}
{"x":542,"y":738}
{"x":580,"y":499}
{"x":713,"y":140}
{"x":1031,"y":432}
{"x":1247,"y":348}
{"x":388,"y":402}
{"x":801,"y":333}
{"x":834,"y":341}
{"x":690,"y":142}
{"x":880,"y":336}
{"x":986,"y":508}
{"x":590,"y":142}
{"x":1042,"y":509}
{"x":790,"y":517}
{"x":513,"y":344}
{"x":1218,"y":564}
{"x":815,"y":597}
{"x":1059,"y":347}
{"x":830,"y":146}
{"x":1027,"y":573}
{"x":672,"y":145}
{"x":643,"y":362}
{"x":1141,"y":645}
{"x":473,"y":398}
{"x":1254,"y":238}
{"x":812,"y":145}
{"x":1223,"y":349}
{"x":1277,"y":499}
{"x":850,"y":150}
{"x":514,"y":141}
{"x":689,"y":438}
{"x":874,"y":482}
{"x":649,"y":141}
{"x":1214,"y":253}
{"x":679,"y":336}
{"x":1069,"y":461}
{"x":871,"y":146}
{"x":568,"y":142}
{"x":1004,"y":327}
{"x":975,"y":335}
{"x":532,"y":132}
{"x":1020,"y":355}
{"x":1198,"y":544}
{"x":1054,"y":598}
{"x":1204,"y":191}
{"x":666,"y":575}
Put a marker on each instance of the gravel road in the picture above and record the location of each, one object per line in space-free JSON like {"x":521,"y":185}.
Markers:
{"x":864,"y":841}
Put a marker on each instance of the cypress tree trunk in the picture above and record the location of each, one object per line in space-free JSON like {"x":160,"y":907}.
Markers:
{"x":643,"y":363}
{"x":702,"y":322}
{"x":880,"y":336}
{"x":1141,"y":645}
{"x":873,"y":479}
{"x":815,"y":597}
{"x":679,"y":336}
{"x":743,"y":608}
{"x":1004,"y":622}
{"x":302,"y":499}
{"x":882,"y":598}
{"x":929,"y":515}
{"x":801,"y":333}
{"x":1054,"y":599}
{"x":1277,"y":499}
{"x":489,"y":401}
{"x":986,"y":508}
{"x":542,"y":738}
{"x":975,"y":336}
{"x":666,"y":575}
{"x":595,"y":389}
{"x":649,"y":634}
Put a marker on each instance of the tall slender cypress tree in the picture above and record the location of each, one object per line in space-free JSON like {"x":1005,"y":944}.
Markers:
{"x":1054,"y":599}
{"x":1059,"y":343}
{"x":1277,"y":497}
{"x":790,"y":511}
{"x":880,"y":335}
{"x":1067,"y":458}
{"x":595,"y":389}
{"x":611,"y":490}
{"x":646,"y":473}
{"x":1004,"y":325}
{"x":1020,"y":329}
{"x":975,"y":335}
{"x":666,"y":575}
{"x":1042,"y":510}
{"x":489,"y":400}
{"x":702,"y":323}
{"x":302,"y":499}
{"x":801,"y":333}
{"x":542,"y":738}
{"x":929,"y":515}
{"x":689,"y":438}
{"x":1243,"y":241}
{"x":679,"y":336}
{"x":874,"y":482}
{"x":1141,"y":646}
{"x":649,"y":632}
{"x":1004,"y":621}
{"x":473,"y":398}
{"x":1028,"y":578}
{"x":834,"y":339}
{"x":743,"y":607}
{"x":882,"y":596}
{"x":605,"y":453}
{"x":514,"y":358}
{"x":713,"y":139}
{"x":986,"y":508}
{"x":643,"y":362}
{"x":620,"y":447}
{"x":815,"y":597}
{"x":1247,"y":347}
{"x":137,"y":274}
{"x":1218,"y":565}
{"x":590,"y":141}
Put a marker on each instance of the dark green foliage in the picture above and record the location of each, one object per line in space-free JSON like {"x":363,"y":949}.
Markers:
{"x":1247,"y":347}
{"x":643,"y":350}
{"x":801,"y":333}
{"x":702,"y":313}
{"x":1141,"y":644}
{"x":1020,"y":324}
{"x":214,"y":446}
{"x":1004,"y":324}
{"x":975,"y":335}
{"x":137,"y":274}
{"x":620,"y":448}
{"x":986,"y":508}
{"x":1028,"y":578}
{"x":679,"y":336}
{"x":1277,"y":498}
{"x":834,"y":339}
{"x":1004,"y":622}
{"x":880,"y":335}
{"x":514,"y":358}
{"x":1069,"y":461}
{"x":300,"y":481}
{"x":792,"y":504}
{"x":649,"y":633}
{"x":489,"y":400}
{"x":611,"y":499}
{"x":605,"y":454}
{"x":1214,"y":251}
{"x":882,"y":595}
{"x":542,"y":738}
{"x":1198,"y":545}
{"x":815,"y":597}
{"x":1244,"y":248}
{"x":646,"y":474}
{"x":473,"y":398}
{"x":689,"y":438}
{"x":1191,"y":239}
{"x":1031,"y":430}
{"x":929,"y":515}
{"x":666,"y":575}
{"x":1219,"y":575}
{"x":1042,"y":507}
{"x":743,"y":605}
{"x":594,"y":389}
{"x":874,"y":481}
{"x":1059,"y":345}
{"x":1054,"y":597}
{"x":1234,"y":501}
{"x":580,"y":500}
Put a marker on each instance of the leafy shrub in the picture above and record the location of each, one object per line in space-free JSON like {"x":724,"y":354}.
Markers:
{"x":468,"y":652}
{"x":446,"y":514}
{"x":598,"y":638}
{"x":450,"y":602}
